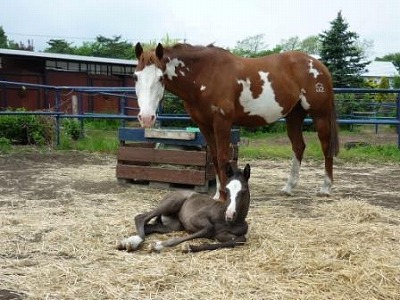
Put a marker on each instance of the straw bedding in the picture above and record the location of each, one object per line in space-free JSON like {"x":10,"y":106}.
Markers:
{"x":61,"y":215}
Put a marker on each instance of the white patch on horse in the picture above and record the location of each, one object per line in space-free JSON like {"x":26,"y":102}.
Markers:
{"x":265,"y":105}
{"x":234,"y":188}
{"x":202,"y":88}
{"x":313,"y":70}
{"x":303,"y":100}
{"x":170,"y":69}
{"x":293,"y":177}
{"x":166,"y":220}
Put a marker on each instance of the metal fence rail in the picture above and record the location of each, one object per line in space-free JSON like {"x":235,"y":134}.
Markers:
{"x":125,"y":93}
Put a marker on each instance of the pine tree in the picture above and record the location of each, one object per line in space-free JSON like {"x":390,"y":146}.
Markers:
{"x":339,"y":52}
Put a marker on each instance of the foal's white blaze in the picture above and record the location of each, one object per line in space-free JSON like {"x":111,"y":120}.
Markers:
{"x":265,"y":105}
{"x":234,"y":188}
{"x":202,"y":88}
{"x":313,"y":70}
{"x":149,"y":90}
{"x":171,"y":66}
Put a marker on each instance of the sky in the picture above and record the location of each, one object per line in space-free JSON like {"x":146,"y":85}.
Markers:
{"x":223,"y":22}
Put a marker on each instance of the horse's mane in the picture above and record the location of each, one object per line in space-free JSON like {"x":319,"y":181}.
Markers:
{"x":196,"y":48}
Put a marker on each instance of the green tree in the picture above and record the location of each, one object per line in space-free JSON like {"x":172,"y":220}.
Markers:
{"x":311,"y":45}
{"x":3,"y":38}
{"x":59,"y":46}
{"x":253,"y":46}
{"x":291,"y":44}
{"x":342,"y":55}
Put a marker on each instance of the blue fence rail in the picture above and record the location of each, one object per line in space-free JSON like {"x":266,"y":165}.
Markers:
{"x":124,"y":111}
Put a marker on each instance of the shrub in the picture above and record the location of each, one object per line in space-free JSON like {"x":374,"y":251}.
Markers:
{"x":27,"y":129}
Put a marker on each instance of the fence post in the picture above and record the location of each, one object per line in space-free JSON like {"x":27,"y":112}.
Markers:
{"x":398,"y":119}
{"x":57,"y":117}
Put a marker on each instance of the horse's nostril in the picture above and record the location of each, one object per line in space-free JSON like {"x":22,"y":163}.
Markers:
{"x":140,"y":117}
{"x":153,"y":117}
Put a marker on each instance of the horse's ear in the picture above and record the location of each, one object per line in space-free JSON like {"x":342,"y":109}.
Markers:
{"x":246,"y":172}
{"x":159,"y":51}
{"x":228,"y":170}
{"x":138,"y":50}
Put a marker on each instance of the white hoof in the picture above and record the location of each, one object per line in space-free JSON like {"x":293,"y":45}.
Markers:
{"x":157,"y":246}
{"x":132,"y":243}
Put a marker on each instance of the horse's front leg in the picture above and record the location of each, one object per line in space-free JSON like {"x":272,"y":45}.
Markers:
{"x":222,"y":136}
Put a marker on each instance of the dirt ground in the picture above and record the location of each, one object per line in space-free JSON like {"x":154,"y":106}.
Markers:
{"x":61,"y":214}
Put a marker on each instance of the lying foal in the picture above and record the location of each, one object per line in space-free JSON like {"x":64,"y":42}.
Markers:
{"x":199,"y":215}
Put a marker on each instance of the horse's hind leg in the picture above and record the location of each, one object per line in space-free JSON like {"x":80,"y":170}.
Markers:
{"x":294,"y":125}
{"x":327,"y":134}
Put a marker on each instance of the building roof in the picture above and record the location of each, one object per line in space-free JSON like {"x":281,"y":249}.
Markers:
{"x":381,"y":69}
{"x":69,"y":57}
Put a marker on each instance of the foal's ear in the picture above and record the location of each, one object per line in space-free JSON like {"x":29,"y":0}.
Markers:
{"x":159,"y":51}
{"x":246,"y":172}
{"x":138,"y":50}
{"x":229,"y":170}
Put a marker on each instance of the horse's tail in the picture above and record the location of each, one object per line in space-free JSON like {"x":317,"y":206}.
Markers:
{"x":333,"y":149}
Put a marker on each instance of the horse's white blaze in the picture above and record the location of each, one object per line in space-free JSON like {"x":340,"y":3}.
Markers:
{"x":171,"y":66}
{"x":293,"y":177}
{"x":313,"y":70}
{"x":202,"y":88}
{"x":234,"y":188}
{"x":303,"y":100}
{"x":265,"y":105}
{"x":149,"y":89}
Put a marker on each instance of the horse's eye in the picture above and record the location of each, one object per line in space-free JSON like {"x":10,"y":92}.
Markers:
{"x":134,"y":77}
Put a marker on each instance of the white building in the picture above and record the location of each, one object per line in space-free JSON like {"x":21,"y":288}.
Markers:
{"x":376,"y":70}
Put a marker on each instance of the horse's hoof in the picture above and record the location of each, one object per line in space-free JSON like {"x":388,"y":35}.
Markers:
{"x":157,"y":247}
{"x":324,"y":193}
{"x":120,"y":246}
{"x":286,"y":192}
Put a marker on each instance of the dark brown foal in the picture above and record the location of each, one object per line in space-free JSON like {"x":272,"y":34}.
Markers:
{"x":199,"y":215}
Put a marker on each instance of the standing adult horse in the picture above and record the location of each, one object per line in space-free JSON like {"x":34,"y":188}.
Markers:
{"x":220,"y":89}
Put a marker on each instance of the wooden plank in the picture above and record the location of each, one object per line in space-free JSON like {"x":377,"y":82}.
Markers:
{"x":160,"y":156}
{"x":169,"y":134}
{"x":181,"y":176}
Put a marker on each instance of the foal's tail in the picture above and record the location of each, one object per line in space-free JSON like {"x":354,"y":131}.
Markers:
{"x":333,"y":149}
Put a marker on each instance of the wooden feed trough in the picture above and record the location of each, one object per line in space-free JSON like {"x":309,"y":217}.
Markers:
{"x":173,"y":157}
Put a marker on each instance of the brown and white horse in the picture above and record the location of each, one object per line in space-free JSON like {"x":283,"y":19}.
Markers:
{"x":198,"y":215}
{"x":220,"y":89}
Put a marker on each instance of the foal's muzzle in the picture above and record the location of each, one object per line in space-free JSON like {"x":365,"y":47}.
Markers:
{"x":147,"y":121}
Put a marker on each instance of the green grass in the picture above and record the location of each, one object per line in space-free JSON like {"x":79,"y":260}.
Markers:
{"x":94,"y":141}
{"x":259,"y":146}
{"x":277,"y":145}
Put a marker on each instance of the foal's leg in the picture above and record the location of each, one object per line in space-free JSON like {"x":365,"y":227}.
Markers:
{"x":169,"y":206}
{"x":229,"y":243}
{"x":294,"y":125}
{"x":206,"y":232}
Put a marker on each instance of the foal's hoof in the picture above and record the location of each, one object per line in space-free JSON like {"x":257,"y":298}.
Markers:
{"x":156,"y":247}
{"x":324,"y":193}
